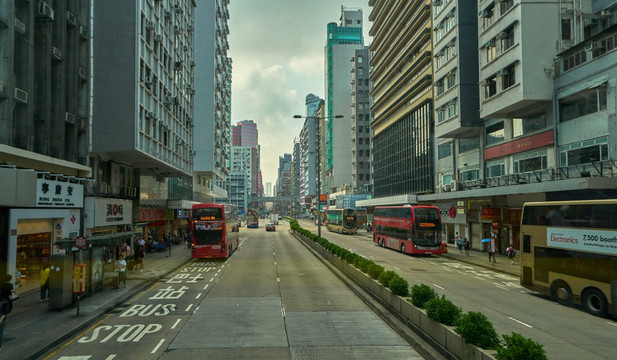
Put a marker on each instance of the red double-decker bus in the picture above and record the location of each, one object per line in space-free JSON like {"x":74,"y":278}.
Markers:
{"x":214,"y":230}
{"x":408,"y":229}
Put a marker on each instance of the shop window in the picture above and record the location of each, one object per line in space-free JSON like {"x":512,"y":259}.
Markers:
{"x":530,"y":162}
{"x":444,"y":150}
{"x":469,"y":174}
{"x":584,"y":152}
{"x":583,"y":103}
{"x":495,"y":168}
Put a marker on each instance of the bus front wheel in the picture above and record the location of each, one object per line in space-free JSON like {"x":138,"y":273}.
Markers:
{"x":561,"y":292}
{"x":595,"y":302}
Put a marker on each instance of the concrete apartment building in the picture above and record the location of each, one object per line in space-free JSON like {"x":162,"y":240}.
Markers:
{"x":342,"y":40}
{"x":546,"y":112}
{"x":360,"y":122}
{"x":308,"y":154}
{"x":44,"y":130}
{"x":212,"y":100}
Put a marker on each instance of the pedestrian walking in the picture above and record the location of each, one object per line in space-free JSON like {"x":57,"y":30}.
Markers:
{"x":139,"y":257}
{"x":466,"y":246}
{"x":491,"y":250}
{"x":6,"y":303}
{"x":121,"y":268}
{"x":459,"y":242}
{"x":44,"y":282}
{"x":511,"y":253}
{"x":168,"y":243}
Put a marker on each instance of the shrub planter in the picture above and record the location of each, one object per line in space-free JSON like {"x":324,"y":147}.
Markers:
{"x":442,"y":334}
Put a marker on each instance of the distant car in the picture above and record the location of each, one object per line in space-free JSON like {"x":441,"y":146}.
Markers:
{"x":270,"y":227}
{"x":280,"y":217}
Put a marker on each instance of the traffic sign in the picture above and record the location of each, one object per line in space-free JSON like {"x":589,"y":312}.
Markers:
{"x":81,"y":242}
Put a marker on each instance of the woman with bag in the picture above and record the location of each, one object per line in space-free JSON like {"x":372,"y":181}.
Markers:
{"x":44,"y":282}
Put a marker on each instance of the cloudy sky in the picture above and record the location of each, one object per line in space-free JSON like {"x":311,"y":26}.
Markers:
{"x":277,"y":49}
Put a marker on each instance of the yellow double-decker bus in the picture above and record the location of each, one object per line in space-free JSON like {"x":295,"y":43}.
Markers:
{"x":569,"y":251}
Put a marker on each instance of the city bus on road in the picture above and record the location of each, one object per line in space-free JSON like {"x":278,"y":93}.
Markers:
{"x":252,"y":218}
{"x":569,"y":252}
{"x":409,"y":229}
{"x":214,"y":231}
{"x":343,"y":221}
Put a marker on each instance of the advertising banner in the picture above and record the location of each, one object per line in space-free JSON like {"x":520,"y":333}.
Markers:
{"x":583,"y":239}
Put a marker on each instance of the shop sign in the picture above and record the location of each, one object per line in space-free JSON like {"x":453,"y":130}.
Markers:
{"x":80,"y":242}
{"x":519,"y":145}
{"x":109,"y":211}
{"x":56,"y":193}
{"x":152,"y":214}
{"x":514,"y":216}
{"x":460,"y":207}
{"x":491,"y":213}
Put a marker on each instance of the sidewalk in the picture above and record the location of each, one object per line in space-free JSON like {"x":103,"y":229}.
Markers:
{"x":32,"y":328}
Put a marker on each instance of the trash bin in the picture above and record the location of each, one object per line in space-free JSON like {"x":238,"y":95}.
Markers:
{"x":444,"y":248}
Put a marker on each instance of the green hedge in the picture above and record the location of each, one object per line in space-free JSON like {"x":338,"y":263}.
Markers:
{"x":421,"y":294}
{"x":475,"y":329}
{"x":442,"y":310}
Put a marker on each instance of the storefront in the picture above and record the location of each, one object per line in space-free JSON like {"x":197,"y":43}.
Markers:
{"x":453,"y":220}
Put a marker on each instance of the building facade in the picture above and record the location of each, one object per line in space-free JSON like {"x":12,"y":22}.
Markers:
{"x":360,"y":122}
{"x":342,"y":40}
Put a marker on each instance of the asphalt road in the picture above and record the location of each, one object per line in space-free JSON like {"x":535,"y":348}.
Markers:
{"x":565,"y":332}
{"x":271,"y":300}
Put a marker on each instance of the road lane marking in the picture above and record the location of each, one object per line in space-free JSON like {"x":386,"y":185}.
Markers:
{"x":157,"y":346}
{"x":205,"y":287}
{"x":77,"y":337}
{"x":188,"y":308}
{"x":176,"y":324}
{"x":610,"y":323}
{"x":520,"y":322}
{"x":437,"y":286}
{"x":198,"y":296}
{"x":211,"y":280}
{"x":111,"y":357}
{"x":397,"y":268}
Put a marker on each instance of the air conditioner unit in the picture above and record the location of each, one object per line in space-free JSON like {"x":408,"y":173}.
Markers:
{"x":70,"y":18}
{"x":446,"y":188}
{"x":56,"y":53}
{"x":69,"y":118}
{"x":502,"y":35}
{"x":45,"y":11}
{"x":21,"y":95}
{"x":596,"y":45}
{"x":499,"y":73}
{"x":604,"y":13}
{"x":437,"y":2}
{"x":158,"y":38}
{"x":20,"y":27}
{"x":490,"y":43}
{"x":83,"y":32}
{"x":453,"y":186}
{"x":149,"y":25}
{"x":590,"y":22}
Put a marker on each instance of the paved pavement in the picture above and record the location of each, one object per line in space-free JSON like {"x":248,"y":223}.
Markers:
{"x":33,"y":329}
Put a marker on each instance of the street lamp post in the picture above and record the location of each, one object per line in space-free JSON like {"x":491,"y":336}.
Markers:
{"x":318,"y":161}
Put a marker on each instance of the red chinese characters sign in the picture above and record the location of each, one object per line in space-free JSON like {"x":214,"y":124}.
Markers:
{"x":152,"y":214}
{"x":520,"y":145}
{"x":80,"y":242}
{"x":514,"y":216}
{"x":491,"y":214}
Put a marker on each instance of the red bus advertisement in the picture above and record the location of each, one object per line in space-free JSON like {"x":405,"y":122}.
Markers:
{"x":409,"y":229}
{"x":214,"y":231}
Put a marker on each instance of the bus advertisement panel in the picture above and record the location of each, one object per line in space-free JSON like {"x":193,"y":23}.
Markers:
{"x":569,"y":252}
{"x":343,"y":221}
{"x":408,"y":229}
{"x":214,"y":230}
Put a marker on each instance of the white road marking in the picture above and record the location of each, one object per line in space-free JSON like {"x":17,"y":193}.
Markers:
{"x":112,"y":356}
{"x":278,"y":279}
{"x":211,"y":280}
{"x":396,"y":268}
{"x":198,"y":296}
{"x":176,"y":323}
{"x":157,"y":346}
{"x":188,"y":308}
{"x":205,"y":287}
{"x":437,"y":286}
{"x":520,"y":322}
{"x":610,"y":323}
{"x":283,"y":311}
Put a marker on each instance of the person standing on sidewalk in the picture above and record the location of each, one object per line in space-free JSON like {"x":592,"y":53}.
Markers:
{"x":459,"y":242}
{"x":466,"y":246}
{"x":6,"y":304}
{"x":121,"y":268}
{"x":168,"y":243}
{"x":491,"y":250}
{"x":139,"y":257}
{"x":44,"y":281}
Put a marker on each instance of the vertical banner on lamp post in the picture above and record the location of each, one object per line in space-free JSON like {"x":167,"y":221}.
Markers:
{"x":323,"y":199}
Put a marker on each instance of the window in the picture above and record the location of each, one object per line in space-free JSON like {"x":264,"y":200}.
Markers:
{"x":583,"y":103}
{"x":495,"y":168}
{"x":505,"y":5}
{"x":446,"y":178}
{"x":469,"y":174}
{"x":468,"y":144}
{"x":526,"y":125}
{"x":495,"y":133}
{"x":508,"y":78}
{"x":452,"y":108}
{"x":531,"y":161}
{"x":444,"y":150}
{"x":584,"y":152}
{"x":566,"y":30}
{"x":490,"y":87}
{"x":359,"y":59}
{"x":439,"y":88}
{"x":490,"y":51}
{"x":441,"y":115}
{"x":451,"y":79}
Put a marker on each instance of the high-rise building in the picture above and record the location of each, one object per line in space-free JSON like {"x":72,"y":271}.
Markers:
{"x":308,"y":153}
{"x":342,"y":40}
{"x":212,"y":69}
{"x":401,"y":92}
{"x":244,"y":133}
{"x":360,"y":122}
{"x":45,"y":79}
